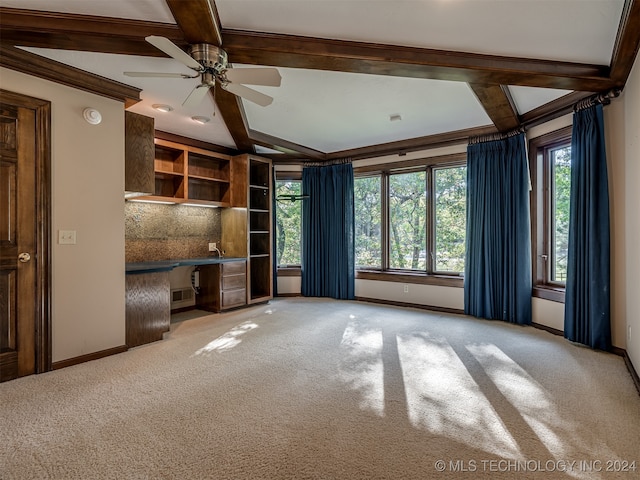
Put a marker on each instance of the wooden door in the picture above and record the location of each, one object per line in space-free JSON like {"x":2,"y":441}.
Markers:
{"x":24,"y":220}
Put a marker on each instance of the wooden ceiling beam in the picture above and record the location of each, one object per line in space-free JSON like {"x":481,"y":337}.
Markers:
{"x":627,"y":42}
{"x":32,"y":28}
{"x":198,"y":20}
{"x":234,"y":117}
{"x":31,"y":64}
{"x":285,"y":146}
{"x":497,"y":102}
{"x":356,"y":57}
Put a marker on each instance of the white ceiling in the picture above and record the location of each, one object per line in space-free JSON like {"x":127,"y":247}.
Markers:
{"x":333,"y":111}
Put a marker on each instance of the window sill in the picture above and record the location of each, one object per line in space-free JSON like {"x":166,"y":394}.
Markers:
{"x":554,"y":294}
{"x":411,"y":277}
{"x":291,"y":271}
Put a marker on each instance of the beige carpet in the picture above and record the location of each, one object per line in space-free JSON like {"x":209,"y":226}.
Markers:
{"x":322,"y":389}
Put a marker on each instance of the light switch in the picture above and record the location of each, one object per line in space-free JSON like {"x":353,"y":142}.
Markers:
{"x":67,"y":237}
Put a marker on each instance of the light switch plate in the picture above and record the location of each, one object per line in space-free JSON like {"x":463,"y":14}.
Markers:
{"x":67,"y":237}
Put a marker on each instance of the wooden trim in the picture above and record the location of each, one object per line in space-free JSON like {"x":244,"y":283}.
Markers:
{"x":439,"y":160}
{"x":498,"y":103}
{"x":551,"y":294}
{"x":413,"y":278}
{"x":285,"y":146}
{"x":31,"y":64}
{"x":627,"y":42}
{"x":289,"y":295}
{"x":42,"y":110}
{"x":632,"y":371}
{"x":289,"y":272}
{"x":89,"y":357}
{"x":198,"y":20}
{"x":554,"y":109}
{"x":552,"y":330}
{"x":212,"y":147}
{"x":33,"y":28}
{"x":414,"y":144}
{"x":433,"y":308}
{"x":288,"y":175}
{"x":357,"y":57}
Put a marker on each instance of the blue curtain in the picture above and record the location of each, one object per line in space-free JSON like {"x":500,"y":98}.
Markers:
{"x":328,"y":252}
{"x":587,"y":296}
{"x":498,"y":258}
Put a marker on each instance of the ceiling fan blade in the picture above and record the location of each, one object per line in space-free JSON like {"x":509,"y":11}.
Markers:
{"x":157,"y":74}
{"x":171,"y":49}
{"x":196,"y":96}
{"x":255,"y":76}
{"x":249,"y":94}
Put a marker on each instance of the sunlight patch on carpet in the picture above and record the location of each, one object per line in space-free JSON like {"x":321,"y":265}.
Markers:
{"x":526,"y":395}
{"x":361,"y":367}
{"x":443,"y":398}
{"x":228,"y":340}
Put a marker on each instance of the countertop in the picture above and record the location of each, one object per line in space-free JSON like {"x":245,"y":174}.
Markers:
{"x":166,"y":265}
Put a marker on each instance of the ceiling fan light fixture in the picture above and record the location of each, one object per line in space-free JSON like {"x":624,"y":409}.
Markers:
{"x":161,"y":107}
{"x":200,"y":119}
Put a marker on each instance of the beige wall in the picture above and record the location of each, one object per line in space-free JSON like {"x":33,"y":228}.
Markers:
{"x":627,"y":248}
{"x":87,"y":196}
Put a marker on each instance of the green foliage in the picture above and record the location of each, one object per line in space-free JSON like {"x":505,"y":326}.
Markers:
{"x":450,"y":222}
{"x":407,"y":220}
{"x":368,"y":237}
{"x":288,"y":224}
{"x":561,"y":181}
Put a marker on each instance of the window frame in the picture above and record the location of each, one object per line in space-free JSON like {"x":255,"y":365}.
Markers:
{"x":427,"y":276}
{"x":540,"y":159}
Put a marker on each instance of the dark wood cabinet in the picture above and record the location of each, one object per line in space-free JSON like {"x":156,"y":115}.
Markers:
{"x":139,"y":152}
{"x":222,"y":286}
{"x":148,"y":307}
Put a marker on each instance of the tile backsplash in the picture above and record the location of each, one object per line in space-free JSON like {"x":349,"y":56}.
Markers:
{"x":164,"y":232}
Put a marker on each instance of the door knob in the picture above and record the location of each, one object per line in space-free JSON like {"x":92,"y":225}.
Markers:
{"x":24,"y":257}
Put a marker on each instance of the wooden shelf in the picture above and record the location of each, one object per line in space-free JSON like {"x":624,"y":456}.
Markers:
{"x":185,"y":174}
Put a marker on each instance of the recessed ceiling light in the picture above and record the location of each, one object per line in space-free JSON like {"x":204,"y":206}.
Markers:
{"x":396,"y":117}
{"x":201,"y":120}
{"x":161,"y":107}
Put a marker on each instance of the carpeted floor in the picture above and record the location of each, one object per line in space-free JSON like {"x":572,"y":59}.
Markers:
{"x":322,"y":389}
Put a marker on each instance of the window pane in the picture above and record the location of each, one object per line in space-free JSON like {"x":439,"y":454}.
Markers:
{"x":288,"y":224}
{"x":561,"y":186}
{"x":368,"y":208}
{"x":450,"y":191}
{"x":407,"y":220}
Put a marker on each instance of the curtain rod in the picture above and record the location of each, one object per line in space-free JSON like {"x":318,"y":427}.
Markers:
{"x":492,"y":137}
{"x":604,"y":98}
{"x":326,"y":163}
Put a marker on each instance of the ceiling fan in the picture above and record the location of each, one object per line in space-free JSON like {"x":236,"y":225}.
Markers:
{"x":211,"y":64}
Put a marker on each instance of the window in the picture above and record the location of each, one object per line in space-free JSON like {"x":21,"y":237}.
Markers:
{"x":288,"y":224}
{"x":450,"y":192}
{"x":550,"y":158}
{"x":367,"y":196}
{"x":412,"y":219}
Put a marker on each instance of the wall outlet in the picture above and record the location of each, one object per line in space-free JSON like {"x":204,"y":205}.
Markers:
{"x":406,"y":288}
{"x":66,"y":237}
{"x":212,"y":246}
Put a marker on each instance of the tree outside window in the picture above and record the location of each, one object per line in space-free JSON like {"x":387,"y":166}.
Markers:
{"x":368,"y":221}
{"x":407,"y":221}
{"x":450,"y":201}
{"x":288,"y":224}
{"x":560,"y":181}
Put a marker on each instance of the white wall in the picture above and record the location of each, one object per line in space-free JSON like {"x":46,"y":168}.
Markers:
{"x":88,"y":297}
